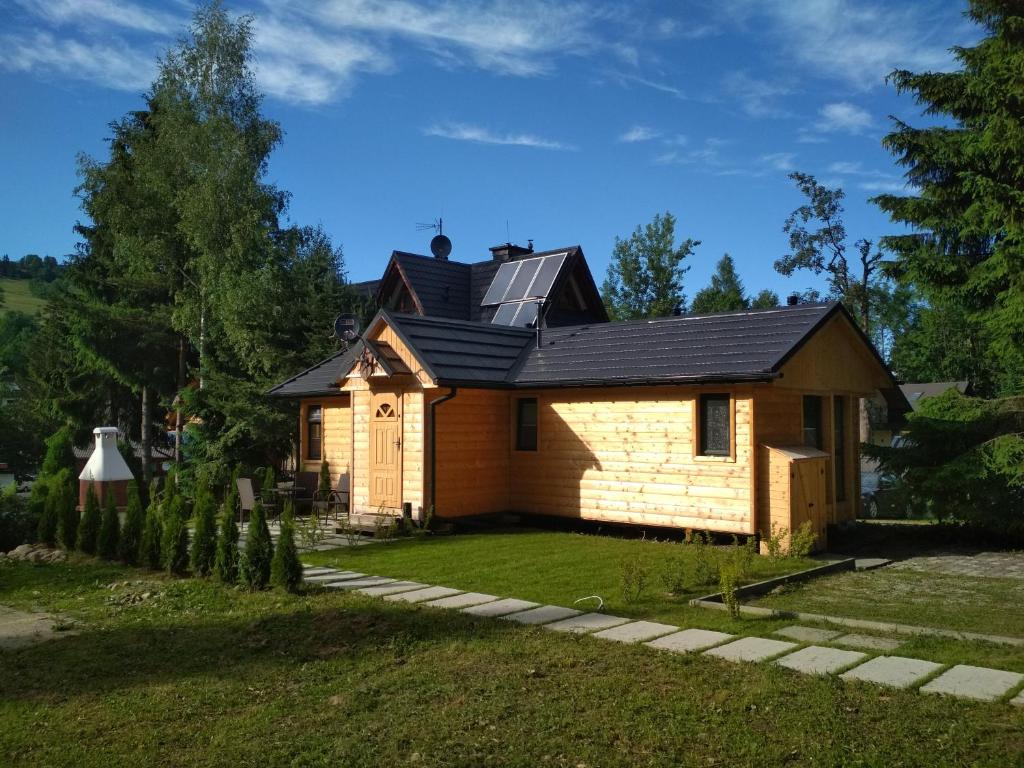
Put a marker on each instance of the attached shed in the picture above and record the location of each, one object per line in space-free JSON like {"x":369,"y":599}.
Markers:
{"x":793,"y":489}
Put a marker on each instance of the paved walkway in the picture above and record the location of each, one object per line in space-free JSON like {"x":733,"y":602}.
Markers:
{"x":1002,"y":565}
{"x":808,"y":650}
{"x":329,"y":540}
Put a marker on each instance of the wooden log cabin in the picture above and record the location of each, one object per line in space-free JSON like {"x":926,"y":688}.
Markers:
{"x":502,"y":387}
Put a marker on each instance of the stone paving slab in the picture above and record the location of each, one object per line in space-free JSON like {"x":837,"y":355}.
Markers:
{"x":588,"y":622}
{"x":808,"y":634}
{"x":894,"y":671}
{"x":546,"y":614}
{"x":369,"y":581}
{"x":868,"y":642}
{"x":818,"y":660}
{"x":869,"y":563}
{"x":636,"y":631}
{"x":464,"y":600}
{"x":317,"y":571}
{"x":1018,"y":700}
{"x":690,"y":640}
{"x":421,"y":595}
{"x":500,"y":607}
{"x":391,"y":589}
{"x":336,"y":576}
{"x":967,"y":682}
{"x":751,"y":649}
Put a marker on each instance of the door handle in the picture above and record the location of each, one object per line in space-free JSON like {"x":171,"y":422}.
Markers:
{"x":398,"y":444}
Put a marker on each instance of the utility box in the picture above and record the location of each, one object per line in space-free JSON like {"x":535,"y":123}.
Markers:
{"x":106,"y":471}
{"x":793,"y":490}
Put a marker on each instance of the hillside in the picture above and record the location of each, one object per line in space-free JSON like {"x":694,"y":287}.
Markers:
{"x":18,"y":297}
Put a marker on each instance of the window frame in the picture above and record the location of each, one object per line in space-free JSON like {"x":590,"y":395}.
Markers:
{"x":700,"y":452}
{"x":839,"y":447}
{"x":819,"y":443}
{"x":517,"y":416}
{"x":307,"y":423}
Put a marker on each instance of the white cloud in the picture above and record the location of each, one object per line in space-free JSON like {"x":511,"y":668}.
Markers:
{"x":671,"y":90}
{"x":120,"y":67}
{"x":778,"y":161}
{"x":708,"y":154}
{"x":638,"y":133}
{"x":480,"y":135}
{"x":758,"y":98}
{"x":105,"y":12}
{"x":883,"y":186}
{"x":844,"y":117}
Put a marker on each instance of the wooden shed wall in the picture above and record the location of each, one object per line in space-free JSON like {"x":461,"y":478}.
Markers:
{"x":337,"y":435}
{"x":627,"y":454}
{"x":473,"y":446}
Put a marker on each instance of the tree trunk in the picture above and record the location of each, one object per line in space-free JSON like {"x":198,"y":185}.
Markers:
{"x":146,"y":438}
{"x":178,"y":418}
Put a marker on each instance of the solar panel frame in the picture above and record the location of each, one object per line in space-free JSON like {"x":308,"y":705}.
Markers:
{"x":505,"y":315}
{"x":526,"y":315}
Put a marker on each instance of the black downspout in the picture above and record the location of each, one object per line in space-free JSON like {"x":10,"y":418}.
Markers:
{"x":433,"y":445}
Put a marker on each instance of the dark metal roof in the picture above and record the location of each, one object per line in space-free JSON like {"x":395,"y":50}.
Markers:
{"x":321,"y":379}
{"x":442,"y":287}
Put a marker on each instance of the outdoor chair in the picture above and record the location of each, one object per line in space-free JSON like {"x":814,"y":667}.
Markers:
{"x":333,"y":502}
{"x":247,"y":500}
{"x":305,"y":489}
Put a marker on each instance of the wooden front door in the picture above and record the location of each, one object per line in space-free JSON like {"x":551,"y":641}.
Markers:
{"x":385,"y":450}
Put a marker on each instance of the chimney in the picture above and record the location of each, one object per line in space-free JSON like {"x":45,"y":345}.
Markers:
{"x":509,"y":251}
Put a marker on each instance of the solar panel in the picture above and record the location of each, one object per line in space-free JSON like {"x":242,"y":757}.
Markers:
{"x":505,"y":315}
{"x":499,"y":285}
{"x":520,"y":287}
{"x":527,"y":315}
{"x":547,"y":273}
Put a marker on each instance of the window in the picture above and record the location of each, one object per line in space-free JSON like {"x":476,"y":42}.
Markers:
{"x":812,"y":421}
{"x":839,"y":457}
{"x":314,"y":432}
{"x":715,"y":426}
{"x":526,"y":424}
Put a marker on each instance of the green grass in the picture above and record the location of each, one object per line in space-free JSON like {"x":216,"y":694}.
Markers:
{"x":18,"y":297}
{"x":201,"y":675}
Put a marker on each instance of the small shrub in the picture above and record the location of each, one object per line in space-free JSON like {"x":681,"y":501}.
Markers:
{"x":703,"y":561}
{"x":226,"y":559}
{"x":385,"y":528}
{"x":110,"y":530}
{"x":285,"y":569}
{"x":150,"y":554}
{"x":174,"y":538}
{"x":742,"y":556}
{"x":351,"y":533}
{"x":46,"y":514}
{"x":632,"y":578}
{"x":17,"y":525}
{"x":310,"y":531}
{"x":727,"y":582}
{"x":134,"y":522}
{"x":802,"y":541}
{"x":324,"y":484}
{"x":774,"y":541}
{"x":673,"y":576}
{"x":254,"y":565}
{"x":89,"y":526}
{"x":204,"y":538}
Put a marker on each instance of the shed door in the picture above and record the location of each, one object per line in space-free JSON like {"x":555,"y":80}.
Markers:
{"x":808,"y":496}
{"x":385,"y":450}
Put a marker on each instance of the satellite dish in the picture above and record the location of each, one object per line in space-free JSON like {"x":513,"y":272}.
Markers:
{"x":440,"y":246}
{"x":346,"y":327}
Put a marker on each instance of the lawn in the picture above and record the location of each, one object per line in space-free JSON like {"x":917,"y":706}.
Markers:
{"x":202,"y":675}
{"x":18,"y":297}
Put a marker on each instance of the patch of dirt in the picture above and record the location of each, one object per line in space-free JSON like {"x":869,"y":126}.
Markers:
{"x":20,"y":629}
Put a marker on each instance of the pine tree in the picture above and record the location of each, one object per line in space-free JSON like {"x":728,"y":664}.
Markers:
{"x":46,"y":532}
{"x":286,"y":569}
{"x":89,"y":527}
{"x":150,"y":553}
{"x":134,"y":522}
{"x":254,"y":566}
{"x":204,"y":539}
{"x":724,"y":293}
{"x":110,"y":529}
{"x":174,"y":540}
{"x":645,"y":277}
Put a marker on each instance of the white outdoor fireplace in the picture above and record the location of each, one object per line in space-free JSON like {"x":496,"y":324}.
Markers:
{"x":106,"y":470}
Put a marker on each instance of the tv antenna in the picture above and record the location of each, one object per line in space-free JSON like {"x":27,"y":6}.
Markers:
{"x":440,"y":245}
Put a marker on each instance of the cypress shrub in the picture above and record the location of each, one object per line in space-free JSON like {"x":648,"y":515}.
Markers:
{"x":110,"y":530}
{"x":89,"y":526}
{"x":254,"y":567}
{"x":131,"y":534}
{"x":286,"y":570}
{"x":174,"y":541}
{"x":204,"y":538}
{"x":65,"y":507}
{"x":226,"y":561}
{"x":325,"y":477}
{"x":152,"y":534}
{"x":46,"y":530}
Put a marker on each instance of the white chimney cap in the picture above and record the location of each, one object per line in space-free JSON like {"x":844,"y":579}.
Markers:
{"x":106,"y":462}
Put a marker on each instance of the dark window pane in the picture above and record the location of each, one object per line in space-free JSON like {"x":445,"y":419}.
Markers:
{"x":526,"y":424}
{"x":839,"y":460}
{"x":314,"y":432}
{"x":812,"y":421}
{"x":714,"y":425}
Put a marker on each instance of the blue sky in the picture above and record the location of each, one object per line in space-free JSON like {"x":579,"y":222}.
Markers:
{"x":561,"y":122}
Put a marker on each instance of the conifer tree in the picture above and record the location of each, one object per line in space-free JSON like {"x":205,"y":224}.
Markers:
{"x":226,"y":564}
{"x":65,"y":504}
{"x":150,"y":553}
{"x":46,"y":531}
{"x":174,"y":541}
{"x":286,"y":569}
{"x":89,"y":527}
{"x":254,"y":566}
{"x":204,"y":539}
{"x":725,"y":292}
{"x":110,"y":529}
{"x":134,"y":522}
{"x":324,"y":485}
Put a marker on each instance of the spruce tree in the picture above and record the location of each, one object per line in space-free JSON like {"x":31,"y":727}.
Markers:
{"x":174,"y":539}
{"x":254,"y":566}
{"x":89,"y":527}
{"x":204,"y":538}
{"x":725,"y":292}
{"x":286,"y":570}
{"x":131,"y":534}
{"x":226,"y":563}
{"x":46,"y":532}
{"x":110,"y":529}
{"x":150,"y":554}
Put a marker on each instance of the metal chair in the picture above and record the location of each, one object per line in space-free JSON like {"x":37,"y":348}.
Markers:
{"x":335,"y":501}
{"x":247,"y":500}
